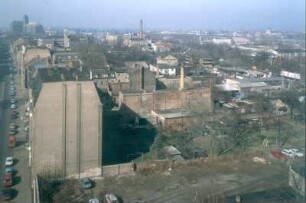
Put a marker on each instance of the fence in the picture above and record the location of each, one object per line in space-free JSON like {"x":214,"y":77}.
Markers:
{"x":118,"y":169}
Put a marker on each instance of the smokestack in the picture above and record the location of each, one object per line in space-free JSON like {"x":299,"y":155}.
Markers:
{"x":182,"y":80}
{"x":141,"y":29}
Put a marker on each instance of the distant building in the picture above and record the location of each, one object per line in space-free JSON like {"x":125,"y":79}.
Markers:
{"x":49,"y":43}
{"x":166,"y":70}
{"x":222,"y":41}
{"x":111,"y":39}
{"x":67,"y":130}
{"x":161,"y":46}
{"x":168,"y":60}
{"x":64,"y":57}
{"x":135,"y":42}
{"x":26,"y":19}
{"x":241,"y":40}
{"x":206,"y":63}
{"x":245,"y":87}
{"x":17,"y":27}
{"x":34,"y":28}
{"x":291,"y":53}
{"x":66,"y":39}
{"x":142,"y":79}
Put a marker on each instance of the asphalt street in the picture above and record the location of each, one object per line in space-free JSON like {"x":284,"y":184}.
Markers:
{"x":21,"y":170}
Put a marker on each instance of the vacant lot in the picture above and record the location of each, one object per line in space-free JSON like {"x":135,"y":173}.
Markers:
{"x":180,"y":182}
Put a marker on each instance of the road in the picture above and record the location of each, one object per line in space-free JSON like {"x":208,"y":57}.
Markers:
{"x":4,"y":106}
{"x":21,"y":175}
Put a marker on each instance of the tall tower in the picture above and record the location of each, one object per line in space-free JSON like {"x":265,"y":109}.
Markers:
{"x":25,"y":22}
{"x":141,"y":28}
{"x":25,"y":19}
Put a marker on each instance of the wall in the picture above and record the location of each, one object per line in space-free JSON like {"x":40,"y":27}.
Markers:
{"x":142,"y":103}
{"x":119,"y":169}
{"x":67,"y":128}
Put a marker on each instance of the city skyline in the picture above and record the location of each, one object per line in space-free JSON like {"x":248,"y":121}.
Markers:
{"x":284,"y":15}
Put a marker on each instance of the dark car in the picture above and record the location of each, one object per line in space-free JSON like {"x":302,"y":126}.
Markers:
{"x":7,"y":194}
{"x":12,"y":132}
{"x":85,"y":183}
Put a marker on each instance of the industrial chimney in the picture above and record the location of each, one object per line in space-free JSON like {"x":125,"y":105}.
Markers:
{"x":182,"y":80}
{"x":141,"y":29}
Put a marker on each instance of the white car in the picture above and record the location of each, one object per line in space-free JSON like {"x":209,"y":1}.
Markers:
{"x":297,"y":153}
{"x":13,"y":101}
{"x":9,"y":161}
{"x":288,"y":153}
{"x":94,"y":200}
{"x":110,"y":198}
{"x":13,"y":106}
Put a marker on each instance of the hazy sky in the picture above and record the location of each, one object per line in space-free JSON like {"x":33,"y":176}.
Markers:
{"x":189,"y":14}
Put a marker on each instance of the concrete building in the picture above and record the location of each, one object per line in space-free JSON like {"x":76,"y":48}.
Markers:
{"x":67,"y":130}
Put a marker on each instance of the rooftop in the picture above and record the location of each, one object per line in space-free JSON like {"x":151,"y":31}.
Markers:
{"x":174,"y":113}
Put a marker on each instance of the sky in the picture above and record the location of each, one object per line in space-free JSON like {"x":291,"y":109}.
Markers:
{"x":286,"y":15}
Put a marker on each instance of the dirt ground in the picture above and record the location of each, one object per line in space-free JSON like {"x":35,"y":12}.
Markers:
{"x":211,"y":176}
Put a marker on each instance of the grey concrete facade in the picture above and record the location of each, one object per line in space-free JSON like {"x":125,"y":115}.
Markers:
{"x":67,"y":129}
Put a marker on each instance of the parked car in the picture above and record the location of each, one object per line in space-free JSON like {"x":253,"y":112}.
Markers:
{"x":9,"y":170}
{"x":94,"y":200}
{"x":288,"y":153}
{"x":297,"y":153}
{"x":110,"y":198}
{"x":13,"y":116}
{"x":11,"y":141}
{"x":9,"y":161}
{"x":277,"y":154}
{"x":85,"y":183}
{"x":13,"y":106}
{"x":7,"y":180}
{"x":12,"y":132}
{"x":12,"y":126}
{"x":7,"y":194}
{"x":13,"y":101}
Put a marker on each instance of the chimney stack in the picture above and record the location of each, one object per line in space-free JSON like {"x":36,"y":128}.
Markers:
{"x":182,"y":80}
{"x":141,"y":29}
